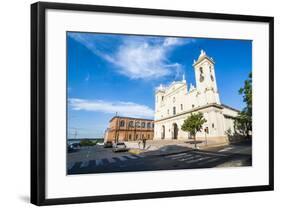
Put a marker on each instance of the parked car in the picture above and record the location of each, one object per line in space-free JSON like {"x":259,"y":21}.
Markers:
{"x":107,"y":144}
{"x":73,"y":147}
{"x":119,"y":147}
{"x":100,"y":143}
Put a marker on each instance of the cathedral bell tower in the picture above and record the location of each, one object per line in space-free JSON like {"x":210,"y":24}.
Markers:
{"x":206,"y":84}
{"x":159,"y":101}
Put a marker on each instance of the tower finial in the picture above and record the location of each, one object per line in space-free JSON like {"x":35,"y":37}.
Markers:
{"x":183,"y":78}
{"x":202,"y":53}
{"x":160,"y":87}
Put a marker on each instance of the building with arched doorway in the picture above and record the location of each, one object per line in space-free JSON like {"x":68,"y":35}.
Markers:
{"x":174,"y":103}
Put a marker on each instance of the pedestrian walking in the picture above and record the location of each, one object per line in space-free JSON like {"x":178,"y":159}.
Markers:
{"x":144,"y":143}
{"x":139,"y":143}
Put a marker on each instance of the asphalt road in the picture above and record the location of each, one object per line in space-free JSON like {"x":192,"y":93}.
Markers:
{"x":93,"y":152}
{"x":102,"y":160}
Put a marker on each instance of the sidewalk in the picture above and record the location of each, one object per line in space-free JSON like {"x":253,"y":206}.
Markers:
{"x":165,"y":147}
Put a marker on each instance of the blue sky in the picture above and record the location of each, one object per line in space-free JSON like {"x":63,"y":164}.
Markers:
{"x":109,"y":73}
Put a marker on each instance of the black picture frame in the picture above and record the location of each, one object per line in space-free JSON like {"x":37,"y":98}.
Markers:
{"x":38,"y":98}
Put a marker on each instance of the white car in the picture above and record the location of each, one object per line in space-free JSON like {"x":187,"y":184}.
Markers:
{"x":119,"y":147}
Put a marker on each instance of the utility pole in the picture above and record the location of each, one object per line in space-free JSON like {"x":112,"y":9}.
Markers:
{"x":135,"y":129}
{"x":116,"y":127}
{"x":206,"y":131}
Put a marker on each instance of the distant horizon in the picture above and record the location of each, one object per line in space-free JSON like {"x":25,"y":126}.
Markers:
{"x":109,"y":73}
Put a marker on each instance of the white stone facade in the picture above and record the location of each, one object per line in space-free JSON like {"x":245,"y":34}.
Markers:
{"x":174,"y":103}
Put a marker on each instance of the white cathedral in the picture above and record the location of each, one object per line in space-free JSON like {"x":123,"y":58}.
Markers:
{"x":174,"y":103}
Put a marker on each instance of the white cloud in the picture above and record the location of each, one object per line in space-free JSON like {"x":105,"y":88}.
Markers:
{"x":90,"y":43}
{"x":122,"y":108}
{"x":143,"y":60}
{"x":172,"y":42}
{"x":139,"y":57}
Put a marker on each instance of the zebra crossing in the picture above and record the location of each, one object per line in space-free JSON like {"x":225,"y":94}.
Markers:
{"x":101,"y":162}
{"x":198,"y":159}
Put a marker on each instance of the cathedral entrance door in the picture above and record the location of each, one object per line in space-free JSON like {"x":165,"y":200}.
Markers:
{"x":175,"y":131}
{"x":163,"y":132}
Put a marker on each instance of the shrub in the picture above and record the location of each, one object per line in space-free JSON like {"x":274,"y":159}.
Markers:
{"x":87,"y":142}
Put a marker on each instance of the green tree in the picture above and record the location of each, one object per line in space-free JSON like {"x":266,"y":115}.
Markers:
{"x":193,"y":124}
{"x":243,"y":122}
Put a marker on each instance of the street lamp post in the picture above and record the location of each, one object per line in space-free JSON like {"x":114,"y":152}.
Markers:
{"x":116,"y":128}
{"x":206,"y":130}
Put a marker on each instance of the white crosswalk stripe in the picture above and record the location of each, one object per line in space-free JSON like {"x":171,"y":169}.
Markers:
{"x":131,"y":156}
{"x":122,"y":158}
{"x":70,"y":165}
{"x":174,"y":157}
{"x":215,"y":154}
{"x":208,"y":161}
{"x":139,"y":156}
{"x":99,"y":162}
{"x":84,"y":164}
{"x":110,"y":160}
{"x":186,"y":158}
{"x":201,"y":159}
{"x":194,"y":159}
{"x":226,"y":149}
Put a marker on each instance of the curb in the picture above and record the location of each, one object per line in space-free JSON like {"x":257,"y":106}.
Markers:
{"x":215,"y":145}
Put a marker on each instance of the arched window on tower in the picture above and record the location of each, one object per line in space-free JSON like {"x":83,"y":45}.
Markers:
{"x":201,"y":70}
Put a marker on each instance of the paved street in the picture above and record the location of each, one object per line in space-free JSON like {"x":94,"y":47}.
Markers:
{"x":97,"y":159}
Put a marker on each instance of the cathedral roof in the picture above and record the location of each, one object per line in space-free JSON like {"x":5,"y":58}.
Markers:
{"x":166,"y":88}
{"x":173,"y":84}
{"x":231,"y":108}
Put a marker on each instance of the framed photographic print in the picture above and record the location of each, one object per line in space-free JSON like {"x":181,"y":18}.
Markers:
{"x":134,"y":103}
